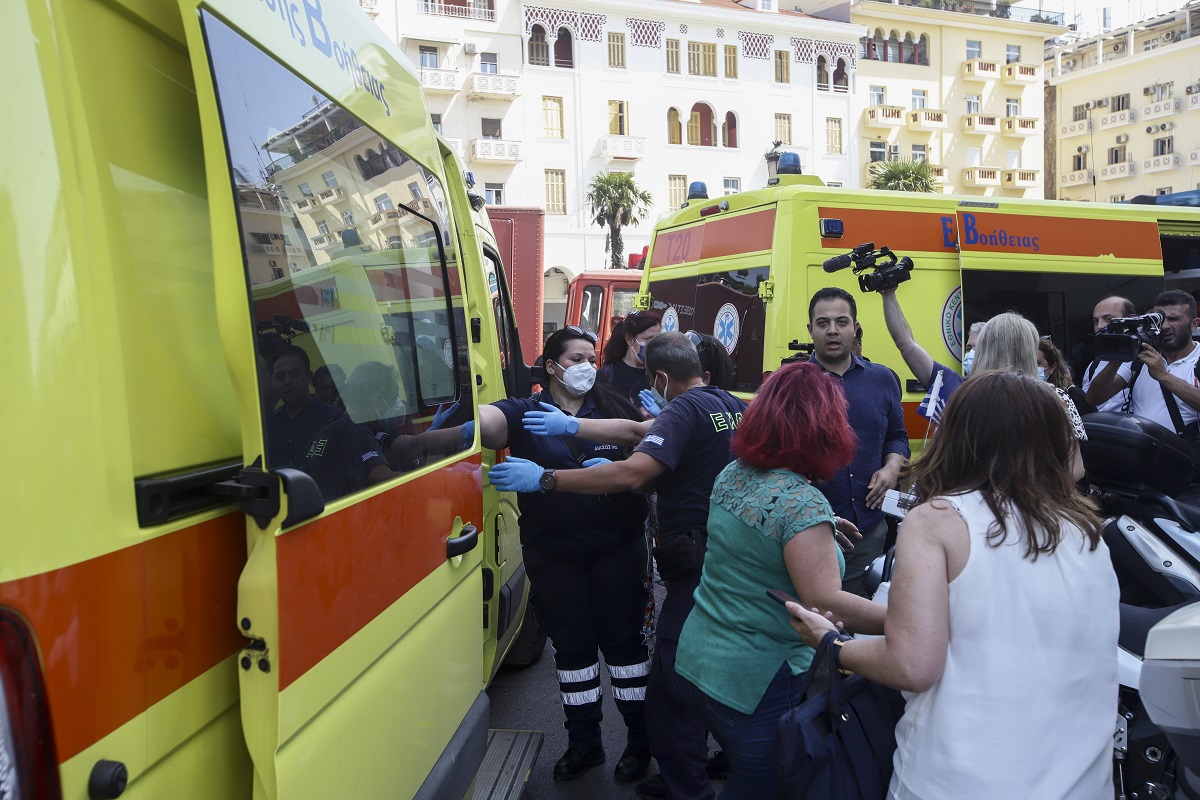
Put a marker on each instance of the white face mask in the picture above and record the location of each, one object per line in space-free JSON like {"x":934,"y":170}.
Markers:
{"x":578,"y":379}
{"x":1041,"y":373}
{"x":968,"y":362}
{"x":661,"y":399}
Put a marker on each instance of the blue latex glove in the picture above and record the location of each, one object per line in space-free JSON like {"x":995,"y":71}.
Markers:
{"x":442,"y":414}
{"x":595,"y":462}
{"x":648,"y":402}
{"x":516,"y":475}
{"x":468,"y":431}
{"x":551,"y":422}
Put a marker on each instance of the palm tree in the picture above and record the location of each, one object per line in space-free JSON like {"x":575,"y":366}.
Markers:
{"x":616,"y":201}
{"x":903,"y":176}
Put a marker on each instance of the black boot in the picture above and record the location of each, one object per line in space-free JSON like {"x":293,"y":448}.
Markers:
{"x":633,"y":764}
{"x":576,"y":761}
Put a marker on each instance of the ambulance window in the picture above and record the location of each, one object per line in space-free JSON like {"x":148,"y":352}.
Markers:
{"x":725,"y":305}
{"x":506,"y":333}
{"x":622,"y":302}
{"x":590,"y":306}
{"x":362,"y":345}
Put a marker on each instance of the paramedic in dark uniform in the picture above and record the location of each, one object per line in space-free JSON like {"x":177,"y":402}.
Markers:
{"x":290,"y":428}
{"x":686,"y":448}
{"x":585,"y":555}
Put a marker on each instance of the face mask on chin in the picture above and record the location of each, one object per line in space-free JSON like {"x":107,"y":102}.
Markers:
{"x":661,"y":399}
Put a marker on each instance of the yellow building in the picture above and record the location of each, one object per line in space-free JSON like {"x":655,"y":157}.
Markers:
{"x":1126,"y":111}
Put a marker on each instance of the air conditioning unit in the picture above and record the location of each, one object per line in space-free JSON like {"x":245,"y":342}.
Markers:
{"x":1083,"y":148}
{"x":1151,"y":128}
{"x":1089,"y":105}
{"x":1194,"y":88}
{"x":1123,"y":138}
{"x":470,"y":49}
{"x":1168,"y":36}
{"x":274,"y":263}
{"x":1118,"y":48}
{"x":1148,"y":90}
{"x":1166,"y":126}
{"x":1069,"y":63}
{"x":1102,"y":102}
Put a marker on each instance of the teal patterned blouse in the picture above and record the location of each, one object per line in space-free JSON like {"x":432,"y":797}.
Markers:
{"x":736,"y":638}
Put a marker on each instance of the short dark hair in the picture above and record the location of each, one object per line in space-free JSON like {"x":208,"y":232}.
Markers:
{"x":674,"y":354}
{"x":833,"y":293}
{"x":294,"y":352}
{"x":1177,"y":297}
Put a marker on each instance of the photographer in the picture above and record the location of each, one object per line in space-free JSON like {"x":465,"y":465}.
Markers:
{"x":1106,"y":311}
{"x":1172,"y":397}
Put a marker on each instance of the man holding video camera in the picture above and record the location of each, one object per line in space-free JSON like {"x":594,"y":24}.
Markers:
{"x":1170,"y":395}
{"x":1106,"y":311}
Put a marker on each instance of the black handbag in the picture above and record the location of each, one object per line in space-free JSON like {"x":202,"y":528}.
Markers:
{"x":838,"y":744}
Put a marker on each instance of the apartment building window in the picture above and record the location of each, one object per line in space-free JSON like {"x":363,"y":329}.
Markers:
{"x":556,"y":191}
{"x":731,"y":61}
{"x":1012,"y":53}
{"x":973,"y":103}
{"x":1116,"y":155}
{"x":876,"y":96}
{"x":347,"y":218}
{"x":674,"y":135}
{"x":329,"y":178}
{"x":1012,"y":159}
{"x":1012,"y":107}
{"x":1116,"y":198}
{"x":539,"y":48}
{"x":974,"y":156}
{"x":920,"y":153}
{"x":428,"y":57}
{"x":306,"y":190}
{"x":673,"y":56}
{"x":702,"y":59}
{"x":489,"y":63}
{"x":552,"y":117}
{"x":1164,"y":91}
{"x":414,"y":188}
{"x":833,"y":136}
{"x":616,"y":50}
{"x":878,"y":151}
{"x":1078,"y":113}
{"x":974,"y":49}
{"x":490,"y":128}
{"x":494,"y":194}
{"x":920,"y":98}
{"x":436,"y":119}
{"x":783,"y":71}
{"x":783,"y":128}
{"x":618,"y":117}
{"x":676,"y":190}
{"x":693,"y":128}
{"x":1164,"y":146}
{"x":1079,"y":162}
{"x":322,"y":227}
{"x":733,"y":185}
{"x":1119,"y":102}
{"x":384,"y":203}
{"x":1163,"y":190}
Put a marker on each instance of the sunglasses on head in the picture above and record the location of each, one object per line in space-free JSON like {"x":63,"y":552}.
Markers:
{"x":696,"y":339}
{"x":578,"y":331}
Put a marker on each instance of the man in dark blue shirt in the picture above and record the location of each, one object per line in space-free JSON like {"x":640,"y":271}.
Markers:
{"x":877,"y":417}
{"x":291,"y":428}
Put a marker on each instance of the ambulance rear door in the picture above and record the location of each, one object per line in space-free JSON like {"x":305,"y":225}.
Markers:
{"x":335,"y":247}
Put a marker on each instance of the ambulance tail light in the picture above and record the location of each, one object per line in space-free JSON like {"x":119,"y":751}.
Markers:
{"x":28,"y":764}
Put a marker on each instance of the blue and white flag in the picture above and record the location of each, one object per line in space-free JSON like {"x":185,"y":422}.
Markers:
{"x":932,"y":406}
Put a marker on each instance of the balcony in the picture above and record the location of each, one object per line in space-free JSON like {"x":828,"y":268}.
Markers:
{"x":271,"y":249}
{"x":1019,"y":74}
{"x":486,"y":86}
{"x":1126,"y":169}
{"x":439,"y":81}
{"x":471,"y":9}
{"x":306,"y":205}
{"x":1118,"y":119}
{"x":1192,"y":103}
{"x":331,"y":194}
{"x":884,"y":116}
{"x":1193,"y":158}
{"x":981,"y":123}
{"x":390,"y":216}
{"x":1075,"y":129}
{"x":981,"y":176}
{"x":496,"y":151}
{"x":1020,"y":178}
{"x":1080,"y":177}
{"x":1160,"y":163}
{"x":626,"y":148}
{"x":1163,"y":108}
{"x":980,"y":69}
{"x":926,"y":119}
{"x":939,"y":173}
{"x":456,"y":144}
{"x":326,"y":241}
{"x":1021,"y":126}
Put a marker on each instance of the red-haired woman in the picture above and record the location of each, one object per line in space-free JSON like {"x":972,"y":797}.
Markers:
{"x":624,"y":354}
{"x":768,"y":528}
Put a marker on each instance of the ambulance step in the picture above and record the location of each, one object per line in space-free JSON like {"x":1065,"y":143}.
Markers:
{"x":507,"y":764}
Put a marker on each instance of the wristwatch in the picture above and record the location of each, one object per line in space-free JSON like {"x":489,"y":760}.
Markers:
{"x":548,"y":481}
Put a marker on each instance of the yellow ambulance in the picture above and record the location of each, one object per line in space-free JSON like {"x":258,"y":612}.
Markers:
{"x":205,"y":203}
{"x":743,"y":268}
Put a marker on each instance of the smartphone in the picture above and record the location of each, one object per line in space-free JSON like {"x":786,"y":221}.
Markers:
{"x":897,"y":503}
{"x":781,"y":597}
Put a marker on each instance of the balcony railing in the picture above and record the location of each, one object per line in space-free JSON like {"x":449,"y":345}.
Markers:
{"x":439,"y":81}
{"x":1192,"y":103}
{"x":1075,"y":129}
{"x":1125,"y":169}
{"x":1020,"y":178}
{"x":456,"y":144}
{"x":1018,"y":73}
{"x":1117,"y":119}
{"x":485,"y":85}
{"x":271,"y":249}
{"x":1163,"y":108}
{"x":926,"y":119}
{"x":503,"y":151}
{"x":622,"y":147}
{"x":306,"y":205}
{"x":331,"y":194}
{"x":939,"y":173}
{"x":1193,"y":158}
{"x":1077,"y":178}
{"x":467,"y":10}
{"x":884,"y":116}
{"x":981,"y":176}
{"x":986,"y":8}
{"x":1160,"y":163}
{"x":1021,"y":126}
{"x":382,"y":218}
{"x":981,"y":69}
{"x":981,"y":123}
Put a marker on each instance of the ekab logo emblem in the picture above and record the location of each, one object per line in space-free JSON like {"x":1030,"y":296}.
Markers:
{"x":952,"y":323}
{"x":670,"y":320}
{"x":727,"y":327}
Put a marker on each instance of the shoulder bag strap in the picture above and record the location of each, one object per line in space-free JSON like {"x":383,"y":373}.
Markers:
{"x":1173,"y":409}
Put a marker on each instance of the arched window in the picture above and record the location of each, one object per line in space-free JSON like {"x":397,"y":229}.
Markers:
{"x":363,"y":168}
{"x":894,"y":47}
{"x":908,"y":53}
{"x":674,"y":132}
{"x":539,"y":48}
{"x":841,"y":81}
{"x":880,"y":45}
{"x":376,"y":162}
{"x":923,"y":50}
{"x":729,"y":130}
{"x":866,"y":49}
{"x":822,"y":74}
{"x":564,"y":51}
{"x":702,"y":128}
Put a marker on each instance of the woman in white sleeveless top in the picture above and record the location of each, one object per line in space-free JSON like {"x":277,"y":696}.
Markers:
{"x":1002,"y":618}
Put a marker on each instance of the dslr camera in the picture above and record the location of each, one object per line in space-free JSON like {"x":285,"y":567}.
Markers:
{"x":1120,"y":340}
{"x":889,"y":271}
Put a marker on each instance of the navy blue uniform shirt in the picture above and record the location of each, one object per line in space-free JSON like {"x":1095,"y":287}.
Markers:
{"x":877,"y":419}
{"x":288,"y":439}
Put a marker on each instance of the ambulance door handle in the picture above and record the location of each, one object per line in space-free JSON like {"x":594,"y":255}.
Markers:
{"x":464,"y":543}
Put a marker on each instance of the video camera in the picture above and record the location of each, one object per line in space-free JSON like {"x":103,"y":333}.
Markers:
{"x":1121,"y":339}
{"x":889,"y":273}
